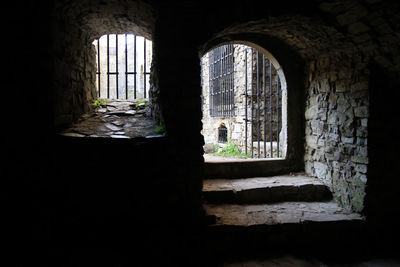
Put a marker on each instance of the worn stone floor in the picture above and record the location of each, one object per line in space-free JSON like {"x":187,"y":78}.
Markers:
{"x":117,"y":119}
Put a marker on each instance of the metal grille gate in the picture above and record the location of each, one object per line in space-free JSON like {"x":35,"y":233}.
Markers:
{"x":129,"y":55}
{"x":221,"y":82}
{"x":263,"y":94}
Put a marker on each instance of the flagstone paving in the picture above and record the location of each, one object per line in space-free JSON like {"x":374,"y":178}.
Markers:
{"x":118,"y":119}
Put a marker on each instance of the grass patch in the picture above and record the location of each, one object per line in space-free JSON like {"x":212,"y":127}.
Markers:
{"x":229,"y":150}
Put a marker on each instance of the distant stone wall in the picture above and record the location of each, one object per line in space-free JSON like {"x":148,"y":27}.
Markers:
{"x":235,"y":124}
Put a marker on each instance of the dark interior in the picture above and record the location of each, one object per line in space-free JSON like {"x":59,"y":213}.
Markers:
{"x":72,"y":201}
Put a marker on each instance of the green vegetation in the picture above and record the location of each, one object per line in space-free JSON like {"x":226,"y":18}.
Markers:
{"x":141,"y":104}
{"x":160,"y":128}
{"x":337,"y":197}
{"x":229,"y":150}
{"x":100,"y":103}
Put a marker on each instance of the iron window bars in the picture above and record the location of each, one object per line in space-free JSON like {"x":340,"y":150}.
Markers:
{"x":222,"y":134}
{"x":263,"y":106}
{"x":122,"y":90}
{"x":221,"y":81}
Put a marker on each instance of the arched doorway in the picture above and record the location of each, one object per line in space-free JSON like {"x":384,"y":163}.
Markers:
{"x":244,"y":88}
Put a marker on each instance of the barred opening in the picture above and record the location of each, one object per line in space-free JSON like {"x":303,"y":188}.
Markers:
{"x":221,"y":82}
{"x":123,"y":66}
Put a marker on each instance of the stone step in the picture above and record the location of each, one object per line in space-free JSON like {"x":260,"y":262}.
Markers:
{"x":278,"y":213}
{"x":265,"y":190}
{"x":285,"y":225}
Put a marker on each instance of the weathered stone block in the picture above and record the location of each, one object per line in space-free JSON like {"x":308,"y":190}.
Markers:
{"x":362,"y":151}
{"x":347,"y":140}
{"x":352,"y":15}
{"x":358,"y":27}
{"x":362,"y":38}
{"x":361,"y":112}
{"x":311,"y":113}
{"x":320,"y":169}
{"x":311,"y":141}
{"x":362,"y":168}
{"x":359,"y":159}
{"x":360,"y":86}
{"x":362,"y":132}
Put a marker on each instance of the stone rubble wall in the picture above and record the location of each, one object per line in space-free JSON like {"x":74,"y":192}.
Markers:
{"x":336,"y":128}
{"x":75,"y":72}
{"x":338,"y":122}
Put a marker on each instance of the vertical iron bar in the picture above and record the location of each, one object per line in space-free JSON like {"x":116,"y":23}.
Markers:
{"x":126,"y":66}
{"x":258,"y":103}
{"x":245,"y":101}
{"x":270,"y":109}
{"x":252,"y":103}
{"x":225,"y":81}
{"x":144,"y":67}
{"x":210,"y":85}
{"x":221,"y":102}
{"x":116,"y":66}
{"x":229,"y":77}
{"x":98,"y":66}
{"x":221,"y":81}
{"x":108,"y":66}
{"x":265,"y":109}
{"x":210,"y":73}
{"x":212,"y":82}
{"x":277,"y":115}
{"x":134,"y":66}
{"x":232,"y":92}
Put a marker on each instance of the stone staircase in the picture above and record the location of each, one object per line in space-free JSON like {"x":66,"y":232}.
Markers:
{"x":275,"y":212}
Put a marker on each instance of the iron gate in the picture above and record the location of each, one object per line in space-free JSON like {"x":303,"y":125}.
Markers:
{"x":263,"y":105}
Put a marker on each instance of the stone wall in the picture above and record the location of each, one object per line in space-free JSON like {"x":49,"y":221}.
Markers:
{"x":336,"y":128}
{"x":75,"y":71}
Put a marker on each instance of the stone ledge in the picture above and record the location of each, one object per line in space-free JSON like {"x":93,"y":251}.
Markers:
{"x":265,"y":190}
